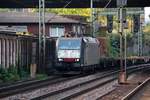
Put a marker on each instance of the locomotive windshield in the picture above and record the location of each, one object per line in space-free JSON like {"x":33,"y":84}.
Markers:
{"x":72,"y":44}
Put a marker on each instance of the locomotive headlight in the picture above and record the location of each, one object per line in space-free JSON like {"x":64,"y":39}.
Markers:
{"x":60,"y":59}
{"x":77,"y":59}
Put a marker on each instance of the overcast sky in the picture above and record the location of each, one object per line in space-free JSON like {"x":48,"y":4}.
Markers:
{"x":147,"y":13}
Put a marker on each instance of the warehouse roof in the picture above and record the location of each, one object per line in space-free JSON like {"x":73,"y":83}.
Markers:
{"x":27,"y":17}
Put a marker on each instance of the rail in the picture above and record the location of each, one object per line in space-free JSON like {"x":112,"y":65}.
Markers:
{"x":82,"y":87}
{"x":136,"y":90}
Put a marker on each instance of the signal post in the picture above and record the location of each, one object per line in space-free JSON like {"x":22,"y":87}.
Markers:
{"x":122,"y":79}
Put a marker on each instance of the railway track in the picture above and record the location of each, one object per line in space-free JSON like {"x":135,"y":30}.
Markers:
{"x":23,"y":86}
{"x":16,"y":82}
{"x":77,"y":89}
{"x":20,"y":89}
{"x":83,"y":87}
{"x":141,"y":92}
{"x":58,"y":85}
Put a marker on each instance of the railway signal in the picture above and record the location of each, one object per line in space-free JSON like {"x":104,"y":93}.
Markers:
{"x":109,"y":23}
{"x":122,"y":19}
{"x":136,"y":23}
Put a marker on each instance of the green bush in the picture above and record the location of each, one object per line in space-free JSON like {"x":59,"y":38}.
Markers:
{"x":41,"y":76}
{"x":12,"y":73}
{"x":9,"y":74}
{"x":113,"y":45}
{"x":23,"y":72}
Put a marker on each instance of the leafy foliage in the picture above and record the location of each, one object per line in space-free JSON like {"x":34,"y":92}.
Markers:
{"x":8,"y":75}
{"x":41,"y":76}
{"x":12,"y":74}
{"x":146,"y":38}
{"x":23,"y":72}
{"x":72,"y":11}
{"x":113,"y":45}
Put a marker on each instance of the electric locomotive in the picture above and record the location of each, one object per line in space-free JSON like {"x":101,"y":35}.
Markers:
{"x":77,"y":53}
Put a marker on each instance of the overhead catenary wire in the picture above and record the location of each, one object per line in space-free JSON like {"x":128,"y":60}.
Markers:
{"x":42,"y":35}
{"x":63,"y":7}
{"x":107,"y":4}
{"x":92,"y":14}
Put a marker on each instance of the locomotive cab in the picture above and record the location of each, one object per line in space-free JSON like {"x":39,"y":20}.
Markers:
{"x":77,"y":53}
{"x":68,"y":53}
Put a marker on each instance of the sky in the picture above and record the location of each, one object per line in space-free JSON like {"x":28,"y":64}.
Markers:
{"x":147,"y":13}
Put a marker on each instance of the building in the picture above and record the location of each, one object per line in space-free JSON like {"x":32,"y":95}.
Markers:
{"x":26,"y":22}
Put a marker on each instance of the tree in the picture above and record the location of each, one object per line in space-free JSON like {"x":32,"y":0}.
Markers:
{"x":71,"y":11}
